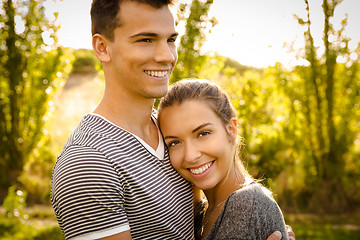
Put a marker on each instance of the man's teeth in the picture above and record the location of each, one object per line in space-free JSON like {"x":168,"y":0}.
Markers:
{"x":200,"y":169}
{"x":157,"y":73}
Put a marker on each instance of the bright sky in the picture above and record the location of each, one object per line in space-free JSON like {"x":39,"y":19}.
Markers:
{"x":251,"y":32}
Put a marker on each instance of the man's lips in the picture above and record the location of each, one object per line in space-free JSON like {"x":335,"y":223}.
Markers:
{"x":159,"y":73}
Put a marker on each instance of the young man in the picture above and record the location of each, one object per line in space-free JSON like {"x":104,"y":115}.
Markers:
{"x":113,"y":178}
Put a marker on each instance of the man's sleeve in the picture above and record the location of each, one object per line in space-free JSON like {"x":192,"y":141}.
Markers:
{"x":86,"y":195}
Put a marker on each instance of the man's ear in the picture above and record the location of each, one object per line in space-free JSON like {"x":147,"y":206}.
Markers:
{"x":99,"y":43}
{"x":231,"y":129}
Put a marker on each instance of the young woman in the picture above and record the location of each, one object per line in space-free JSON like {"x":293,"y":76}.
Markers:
{"x":199,"y":126}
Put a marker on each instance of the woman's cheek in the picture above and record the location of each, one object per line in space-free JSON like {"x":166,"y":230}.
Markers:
{"x":174,"y":159}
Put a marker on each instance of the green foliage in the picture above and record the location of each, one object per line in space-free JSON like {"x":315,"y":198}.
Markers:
{"x":36,"y":175}
{"x":197,"y":24}
{"x":85,"y":61}
{"x":327,"y":123}
{"x":14,"y":204}
{"x":232,"y":64}
{"x":51,"y":233}
{"x":28,"y":231}
{"x":301,"y":126}
{"x":260,"y":116}
{"x":30,"y":71}
{"x":33,"y":223}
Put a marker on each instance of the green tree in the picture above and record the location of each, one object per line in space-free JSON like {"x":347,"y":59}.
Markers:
{"x":261,"y":111}
{"x":324,"y":97}
{"x":30,"y":69}
{"x":197,"y":25}
{"x":301,"y":126}
{"x":85,"y":61}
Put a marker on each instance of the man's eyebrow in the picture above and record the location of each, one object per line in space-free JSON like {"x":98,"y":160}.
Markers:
{"x":201,"y":126}
{"x":174,"y":34}
{"x":151,"y":34}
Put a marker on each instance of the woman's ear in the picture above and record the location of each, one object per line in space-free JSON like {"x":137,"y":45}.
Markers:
{"x":99,"y":43}
{"x":231,"y":129}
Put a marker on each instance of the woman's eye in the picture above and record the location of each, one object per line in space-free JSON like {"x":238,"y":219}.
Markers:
{"x":204,"y":133}
{"x":173,"y":143}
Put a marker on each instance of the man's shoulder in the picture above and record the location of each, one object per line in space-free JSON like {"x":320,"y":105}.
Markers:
{"x":95,"y":132}
{"x":83,"y":132}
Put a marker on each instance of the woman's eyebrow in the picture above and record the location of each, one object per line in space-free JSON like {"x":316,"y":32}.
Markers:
{"x":201,"y":126}
{"x":169,"y":137}
{"x":193,"y":131}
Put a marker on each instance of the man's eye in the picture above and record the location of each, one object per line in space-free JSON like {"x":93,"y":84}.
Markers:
{"x":146,"y":40}
{"x":172,"y":40}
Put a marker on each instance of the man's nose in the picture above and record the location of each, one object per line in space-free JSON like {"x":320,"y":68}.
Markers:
{"x":165,"y":53}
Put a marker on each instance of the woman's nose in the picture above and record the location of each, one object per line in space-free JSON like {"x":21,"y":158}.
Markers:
{"x":192,"y":153}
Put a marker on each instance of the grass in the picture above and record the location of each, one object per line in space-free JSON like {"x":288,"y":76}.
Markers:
{"x":38,"y":223}
{"x":329,"y":227}
{"x":41,"y":225}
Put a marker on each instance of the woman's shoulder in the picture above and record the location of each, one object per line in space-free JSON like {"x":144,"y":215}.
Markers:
{"x":255,"y":204}
{"x":251,"y":194}
{"x":255,"y":200}
{"x":252,"y":189}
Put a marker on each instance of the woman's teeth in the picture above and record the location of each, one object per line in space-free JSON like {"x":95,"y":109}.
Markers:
{"x":157,"y":73}
{"x":200,"y":169}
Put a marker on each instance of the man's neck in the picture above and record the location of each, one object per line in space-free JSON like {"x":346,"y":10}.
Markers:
{"x":133,"y":115}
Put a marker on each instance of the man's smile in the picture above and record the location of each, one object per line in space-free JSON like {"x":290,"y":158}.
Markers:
{"x":157,"y":73}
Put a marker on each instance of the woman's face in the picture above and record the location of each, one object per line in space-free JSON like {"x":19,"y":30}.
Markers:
{"x":200,"y":145}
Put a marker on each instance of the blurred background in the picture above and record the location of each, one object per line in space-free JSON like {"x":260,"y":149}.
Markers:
{"x":291,"y":69}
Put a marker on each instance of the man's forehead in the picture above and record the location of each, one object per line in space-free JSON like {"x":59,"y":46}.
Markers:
{"x":140,"y":18}
{"x":129,"y":6}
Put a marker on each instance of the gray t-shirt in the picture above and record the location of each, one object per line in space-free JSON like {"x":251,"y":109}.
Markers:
{"x":248,"y":213}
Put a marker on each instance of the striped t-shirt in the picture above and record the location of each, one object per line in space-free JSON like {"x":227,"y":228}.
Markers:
{"x":105,"y":181}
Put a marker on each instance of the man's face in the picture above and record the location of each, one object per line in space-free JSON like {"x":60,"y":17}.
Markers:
{"x":143,"y":52}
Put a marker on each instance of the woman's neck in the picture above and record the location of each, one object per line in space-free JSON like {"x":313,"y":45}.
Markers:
{"x":217,"y":196}
{"x":221,"y":192}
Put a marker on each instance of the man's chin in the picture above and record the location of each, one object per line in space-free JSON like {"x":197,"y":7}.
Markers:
{"x":160,"y":93}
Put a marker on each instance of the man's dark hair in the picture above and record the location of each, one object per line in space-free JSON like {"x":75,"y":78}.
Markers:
{"x":104,"y":14}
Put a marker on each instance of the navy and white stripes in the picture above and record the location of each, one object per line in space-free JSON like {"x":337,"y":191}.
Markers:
{"x":106,"y":181}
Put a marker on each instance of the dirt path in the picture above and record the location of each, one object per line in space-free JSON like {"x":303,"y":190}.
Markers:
{"x":80,"y":95}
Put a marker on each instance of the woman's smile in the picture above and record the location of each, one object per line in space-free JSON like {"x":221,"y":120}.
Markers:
{"x":197,"y":171}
